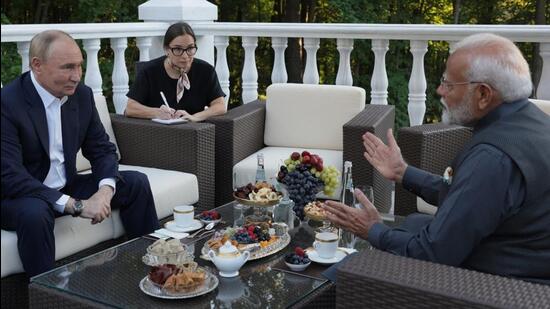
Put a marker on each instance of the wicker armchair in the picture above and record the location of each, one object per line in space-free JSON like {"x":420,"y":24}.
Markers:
{"x":240,"y":133}
{"x":376,"y":279}
{"x":187,"y":148}
{"x":430,"y":147}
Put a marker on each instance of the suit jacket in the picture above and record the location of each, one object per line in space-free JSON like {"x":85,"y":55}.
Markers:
{"x":25,"y":145}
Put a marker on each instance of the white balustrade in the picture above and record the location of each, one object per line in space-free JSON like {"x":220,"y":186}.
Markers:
{"x":250,"y":72}
{"x":311,"y":74}
{"x":222,"y":69}
{"x":93,"y":75}
{"x":144,"y":44}
{"x":344,"y":77}
{"x":379,"y":80}
{"x":148,"y":35}
{"x":120,"y":75}
{"x":543,"y":90}
{"x":417,"y":84}
{"x":279,"y":74}
{"x":23,"y":51}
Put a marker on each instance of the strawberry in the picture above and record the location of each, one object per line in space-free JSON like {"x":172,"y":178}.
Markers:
{"x":299,"y":251}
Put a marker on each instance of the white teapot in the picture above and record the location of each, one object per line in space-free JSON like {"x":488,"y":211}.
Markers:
{"x":229,"y":259}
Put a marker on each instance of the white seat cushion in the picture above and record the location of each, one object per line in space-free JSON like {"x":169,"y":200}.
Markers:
{"x":71,"y":236}
{"x":544,"y":105}
{"x":170,"y":188}
{"x":310,"y":116}
{"x":245,"y":171}
{"x":82,"y":163}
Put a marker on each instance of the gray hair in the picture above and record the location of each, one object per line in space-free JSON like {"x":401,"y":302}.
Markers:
{"x":497,"y":61}
{"x":41,"y":43}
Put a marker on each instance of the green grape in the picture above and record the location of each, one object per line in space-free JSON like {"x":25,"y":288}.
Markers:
{"x":287,"y":162}
{"x":318,"y":174}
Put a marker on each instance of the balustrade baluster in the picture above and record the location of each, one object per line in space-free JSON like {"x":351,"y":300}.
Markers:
{"x":279,"y":74}
{"x":311,"y":74}
{"x":250,"y":72}
{"x":344,"y":77}
{"x":120,"y":75}
{"x":144,"y":44}
{"x":93,"y":75}
{"x":543,"y":91}
{"x":379,"y":81}
{"x":417,"y":84}
{"x":222,"y":69}
{"x":23,"y":51}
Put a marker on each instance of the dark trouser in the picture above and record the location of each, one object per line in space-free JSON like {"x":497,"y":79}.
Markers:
{"x":33,"y":219}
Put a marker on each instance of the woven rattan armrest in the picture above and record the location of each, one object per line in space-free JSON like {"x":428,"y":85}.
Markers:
{"x":376,"y":279}
{"x":376,"y":119}
{"x":430,"y":147}
{"x":239,"y":133}
{"x":185,"y":147}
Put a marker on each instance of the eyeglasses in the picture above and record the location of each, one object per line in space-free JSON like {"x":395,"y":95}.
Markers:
{"x":178,"y":51}
{"x":448,"y":86}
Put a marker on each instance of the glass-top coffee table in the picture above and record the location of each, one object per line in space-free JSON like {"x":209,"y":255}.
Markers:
{"x":111,"y":279}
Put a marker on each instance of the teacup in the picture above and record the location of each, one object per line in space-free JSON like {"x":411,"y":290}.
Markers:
{"x":326,"y":244}
{"x":183,"y":215}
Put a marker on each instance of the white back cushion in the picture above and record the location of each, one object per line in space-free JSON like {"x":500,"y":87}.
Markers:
{"x":544,"y":105}
{"x":310,"y":116}
{"x":82,"y":163}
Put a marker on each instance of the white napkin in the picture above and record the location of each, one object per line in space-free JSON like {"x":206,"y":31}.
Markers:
{"x":166,"y":233}
{"x":348,"y":250}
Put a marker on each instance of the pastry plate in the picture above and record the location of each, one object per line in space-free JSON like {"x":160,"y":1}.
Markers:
{"x":248,"y":202}
{"x":314,"y":256}
{"x":172,"y":226}
{"x":152,"y":289}
{"x":259,"y":253}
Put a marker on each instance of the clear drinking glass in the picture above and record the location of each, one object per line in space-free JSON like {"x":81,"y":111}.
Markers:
{"x":238,"y":215}
{"x":368,"y":191}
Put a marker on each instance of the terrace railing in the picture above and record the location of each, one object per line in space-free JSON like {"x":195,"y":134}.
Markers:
{"x":148,"y":34}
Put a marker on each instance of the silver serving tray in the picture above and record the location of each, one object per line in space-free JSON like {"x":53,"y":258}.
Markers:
{"x":275,"y":247}
{"x":152,"y":289}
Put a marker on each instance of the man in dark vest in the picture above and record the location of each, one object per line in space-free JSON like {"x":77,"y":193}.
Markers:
{"x":494,"y":212}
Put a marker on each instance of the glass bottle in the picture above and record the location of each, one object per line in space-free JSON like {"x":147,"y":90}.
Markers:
{"x":260,"y":170}
{"x":281,"y":212}
{"x":347,"y":239}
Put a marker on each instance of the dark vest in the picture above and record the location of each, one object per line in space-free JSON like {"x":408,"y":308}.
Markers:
{"x":524,"y":136}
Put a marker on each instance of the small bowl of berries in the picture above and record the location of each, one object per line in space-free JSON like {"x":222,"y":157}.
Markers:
{"x":208,"y":216}
{"x":297,"y":260}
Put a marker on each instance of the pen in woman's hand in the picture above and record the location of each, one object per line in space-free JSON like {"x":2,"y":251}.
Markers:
{"x":171,"y":111}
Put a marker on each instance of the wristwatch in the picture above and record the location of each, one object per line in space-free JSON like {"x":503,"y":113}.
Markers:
{"x":77,"y":208}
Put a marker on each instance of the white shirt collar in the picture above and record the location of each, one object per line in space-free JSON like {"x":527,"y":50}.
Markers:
{"x":46,"y":97}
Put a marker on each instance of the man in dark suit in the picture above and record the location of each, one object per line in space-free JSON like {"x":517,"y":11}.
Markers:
{"x":47,"y":116}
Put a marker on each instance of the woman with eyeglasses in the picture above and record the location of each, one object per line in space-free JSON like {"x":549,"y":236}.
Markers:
{"x":187,"y":84}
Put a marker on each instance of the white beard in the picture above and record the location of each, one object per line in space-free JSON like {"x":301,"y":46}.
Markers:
{"x":459,"y":115}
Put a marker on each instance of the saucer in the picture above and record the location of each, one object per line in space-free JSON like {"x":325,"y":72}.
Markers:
{"x":172,"y":226}
{"x":314,"y":256}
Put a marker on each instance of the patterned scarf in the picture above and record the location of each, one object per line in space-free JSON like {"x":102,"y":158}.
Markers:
{"x":183,"y":83}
